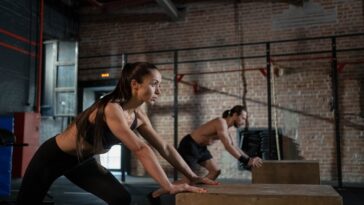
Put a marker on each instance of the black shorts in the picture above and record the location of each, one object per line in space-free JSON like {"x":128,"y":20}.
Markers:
{"x":192,"y":152}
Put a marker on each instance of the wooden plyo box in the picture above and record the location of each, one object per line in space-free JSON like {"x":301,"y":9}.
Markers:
{"x":262,"y":194}
{"x":287,"y":172}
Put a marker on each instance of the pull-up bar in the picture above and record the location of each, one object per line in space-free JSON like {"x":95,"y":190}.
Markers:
{"x":341,"y":66}
{"x":301,"y":59}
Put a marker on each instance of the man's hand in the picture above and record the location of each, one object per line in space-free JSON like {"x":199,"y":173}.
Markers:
{"x":255,"y":162}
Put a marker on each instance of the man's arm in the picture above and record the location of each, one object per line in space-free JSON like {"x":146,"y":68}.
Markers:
{"x":224,"y":136}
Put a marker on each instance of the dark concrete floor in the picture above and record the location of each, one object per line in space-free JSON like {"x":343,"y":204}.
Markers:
{"x":63,"y":192}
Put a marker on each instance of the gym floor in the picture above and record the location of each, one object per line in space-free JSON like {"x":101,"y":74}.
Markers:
{"x":63,"y":192}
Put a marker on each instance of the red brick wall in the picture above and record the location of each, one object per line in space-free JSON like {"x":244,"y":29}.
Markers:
{"x":303,"y":92}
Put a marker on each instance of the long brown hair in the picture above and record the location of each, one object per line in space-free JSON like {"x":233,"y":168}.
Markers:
{"x":121,"y":94}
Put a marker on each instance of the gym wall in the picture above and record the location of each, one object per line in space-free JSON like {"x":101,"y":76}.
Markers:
{"x":303,"y":89}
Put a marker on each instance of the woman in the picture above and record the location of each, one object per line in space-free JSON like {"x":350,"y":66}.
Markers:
{"x":109,"y":121}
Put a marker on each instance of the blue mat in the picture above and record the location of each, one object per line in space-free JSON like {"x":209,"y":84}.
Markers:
{"x":6,"y":122}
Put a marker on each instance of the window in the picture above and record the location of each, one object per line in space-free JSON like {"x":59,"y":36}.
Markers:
{"x":60,"y":78}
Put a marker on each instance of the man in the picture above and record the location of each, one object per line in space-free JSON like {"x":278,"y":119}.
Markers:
{"x":193,"y":147}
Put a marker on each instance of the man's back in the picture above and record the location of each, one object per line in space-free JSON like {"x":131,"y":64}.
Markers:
{"x":206,"y":134}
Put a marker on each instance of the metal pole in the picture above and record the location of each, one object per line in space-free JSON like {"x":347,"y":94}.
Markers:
{"x":335,"y":93}
{"x":123,"y":148}
{"x":175,"y":107}
{"x":269,"y":96}
{"x":40,"y":56}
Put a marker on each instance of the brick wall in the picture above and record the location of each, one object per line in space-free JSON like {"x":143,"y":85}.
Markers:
{"x":302,"y":94}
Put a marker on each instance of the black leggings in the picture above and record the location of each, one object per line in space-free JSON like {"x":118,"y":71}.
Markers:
{"x":50,"y":162}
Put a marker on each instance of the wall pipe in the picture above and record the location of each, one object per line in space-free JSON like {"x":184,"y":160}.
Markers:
{"x":123,"y":147}
{"x":242,"y":44}
{"x":175,"y":106}
{"x":269,"y":99}
{"x":40,"y":55}
{"x":335,"y":93}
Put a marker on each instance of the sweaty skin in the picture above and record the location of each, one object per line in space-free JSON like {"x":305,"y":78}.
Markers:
{"x":217,"y":129}
{"x":211,"y":132}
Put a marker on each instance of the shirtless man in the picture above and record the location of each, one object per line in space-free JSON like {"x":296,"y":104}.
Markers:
{"x":193,"y":147}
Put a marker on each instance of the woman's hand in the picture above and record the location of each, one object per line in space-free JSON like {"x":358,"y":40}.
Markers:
{"x":204,"y":180}
{"x":184,"y":187}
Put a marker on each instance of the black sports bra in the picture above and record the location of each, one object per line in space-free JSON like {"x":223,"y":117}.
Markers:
{"x":108,"y":138}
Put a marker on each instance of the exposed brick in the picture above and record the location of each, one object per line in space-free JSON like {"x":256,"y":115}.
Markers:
{"x":303,"y":92}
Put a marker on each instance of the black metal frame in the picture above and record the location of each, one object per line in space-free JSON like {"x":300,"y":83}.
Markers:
{"x":267,"y":56}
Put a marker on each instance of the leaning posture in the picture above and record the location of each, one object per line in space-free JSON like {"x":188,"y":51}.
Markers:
{"x":110,"y":120}
{"x":193,"y":147}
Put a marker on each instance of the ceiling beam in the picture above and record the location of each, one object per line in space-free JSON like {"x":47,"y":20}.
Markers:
{"x":169,"y":7}
{"x":117,"y":4}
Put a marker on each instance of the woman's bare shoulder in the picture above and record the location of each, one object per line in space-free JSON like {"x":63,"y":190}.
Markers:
{"x":112,"y":107}
{"x":140,"y":112}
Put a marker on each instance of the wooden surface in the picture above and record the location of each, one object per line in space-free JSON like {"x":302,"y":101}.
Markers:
{"x":287,"y":172}
{"x":262,"y":194}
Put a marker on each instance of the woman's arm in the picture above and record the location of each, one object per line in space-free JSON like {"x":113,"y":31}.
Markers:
{"x":166,"y":150}
{"x":117,"y":123}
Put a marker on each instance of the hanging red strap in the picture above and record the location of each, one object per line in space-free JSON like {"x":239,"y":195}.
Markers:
{"x":263,"y":71}
{"x":340,"y":67}
{"x":179,"y":77}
